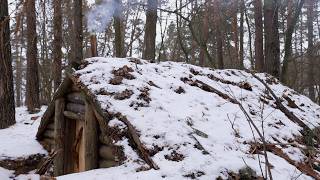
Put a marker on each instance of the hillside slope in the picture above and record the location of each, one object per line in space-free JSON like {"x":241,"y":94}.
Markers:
{"x":195,"y":122}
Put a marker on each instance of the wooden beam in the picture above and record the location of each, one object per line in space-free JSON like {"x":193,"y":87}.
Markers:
{"x":75,"y":97}
{"x":59,"y":130}
{"x":145,"y":155}
{"x":90,"y":138}
{"x":77,"y":108}
{"x":73,"y":116}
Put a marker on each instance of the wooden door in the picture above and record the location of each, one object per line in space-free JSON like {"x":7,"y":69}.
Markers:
{"x":79,"y":159}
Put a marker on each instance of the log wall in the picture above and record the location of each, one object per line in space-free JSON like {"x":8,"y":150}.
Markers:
{"x":61,"y":133}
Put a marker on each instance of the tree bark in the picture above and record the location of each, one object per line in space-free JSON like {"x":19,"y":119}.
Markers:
{"x":235,"y":37}
{"x":7,"y":109}
{"x":204,"y":39}
{"x":291,"y":21}
{"x":32,"y":86}
{"x":18,"y":34}
{"x":77,"y":42}
{"x":149,"y":52}
{"x":310,"y":74}
{"x":250,"y":39}
{"x":272,"y":43}
{"x":118,"y":27}
{"x":219,"y":34}
{"x":258,"y":41}
{"x":57,"y":43}
{"x":241,"y":50}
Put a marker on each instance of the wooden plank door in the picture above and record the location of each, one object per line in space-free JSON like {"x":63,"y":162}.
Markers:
{"x":79,"y":147}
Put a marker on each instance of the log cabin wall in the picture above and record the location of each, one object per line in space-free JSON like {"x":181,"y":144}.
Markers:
{"x":74,"y":130}
{"x":48,"y":137}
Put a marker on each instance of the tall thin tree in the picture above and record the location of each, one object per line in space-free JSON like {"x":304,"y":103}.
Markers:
{"x":149,"y":51}
{"x":241,"y":33}
{"x":77,"y":43}
{"x":271,"y":34}
{"x":57,"y":42}
{"x":291,"y":24}
{"x":118,"y":26}
{"x":7,"y":109}
{"x":310,"y":75}
{"x":32,"y":86}
{"x":218,"y":33}
{"x":258,"y":41}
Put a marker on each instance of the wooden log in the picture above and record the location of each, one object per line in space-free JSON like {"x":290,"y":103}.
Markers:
{"x":51,"y":126}
{"x":107,"y":163}
{"x":90,"y":138}
{"x":49,"y":134}
{"x":75,"y":88}
{"x":106,"y":152}
{"x":103,"y":139}
{"x":72,"y":115}
{"x":59,"y":131}
{"x":145,"y":155}
{"x":75,"y":97}
{"x":46,"y":118}
{"x":77,"y":108}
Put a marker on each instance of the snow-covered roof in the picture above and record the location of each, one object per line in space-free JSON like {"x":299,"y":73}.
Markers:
{"x":187,"y":119}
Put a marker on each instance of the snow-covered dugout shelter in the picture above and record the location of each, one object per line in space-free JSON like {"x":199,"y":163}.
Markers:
{"x":173,"y":120}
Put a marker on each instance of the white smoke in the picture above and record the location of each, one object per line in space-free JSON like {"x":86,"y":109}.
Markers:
{"x":100,"y":15}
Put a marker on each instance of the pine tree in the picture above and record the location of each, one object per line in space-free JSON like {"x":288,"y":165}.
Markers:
{"x":149,"y":52}
{"x":32,"y":87}
{"x":7,"y":109}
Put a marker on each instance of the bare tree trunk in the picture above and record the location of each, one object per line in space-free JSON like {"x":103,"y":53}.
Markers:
{"x":258,"y":41}
{"x":118,"y":26}
{"x":7,"y":109}
{"x":219,"y":34}
{"x":241,"y":50}
{"x":45,"y":62}
{"x":57,"y":43}
{"x":18,"y":37}
{"x":235,"y":36}
{"x":205,"y":31}
{"x":250,"y":39}
{"x":149,"y":52}
{"x":272,"y":43}
{"x":180,"y":40}
{"x":292,"y":21}
{"x":32,"y":94}
{"x":310,"y":74}
{"x":77,"y":42}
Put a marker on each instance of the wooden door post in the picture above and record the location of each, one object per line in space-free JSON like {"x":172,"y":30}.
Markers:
{"x":59,"y":132}
{"x":90,"y":138}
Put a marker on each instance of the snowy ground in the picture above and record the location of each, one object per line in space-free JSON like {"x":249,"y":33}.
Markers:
{"x":18,"y":141}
